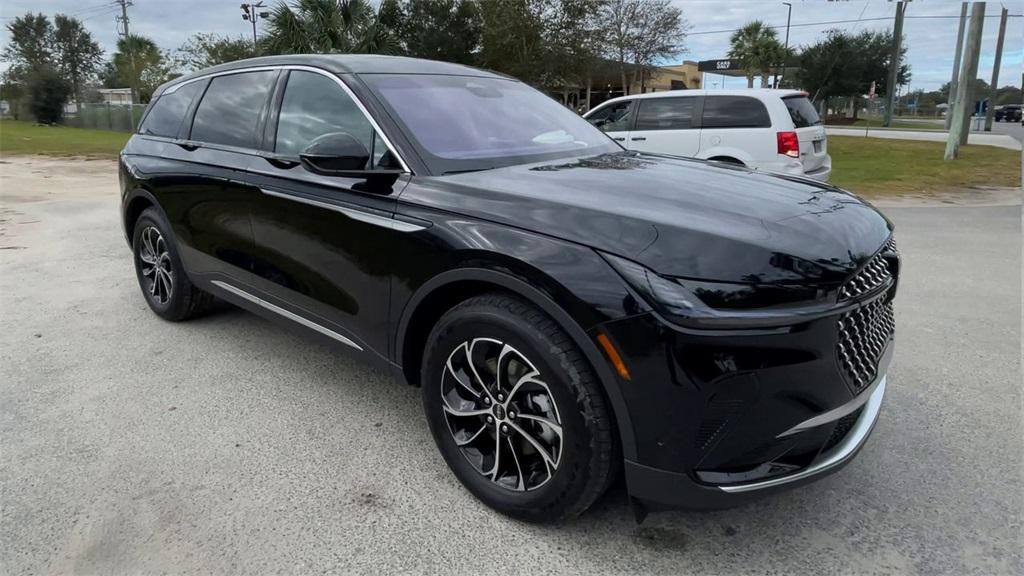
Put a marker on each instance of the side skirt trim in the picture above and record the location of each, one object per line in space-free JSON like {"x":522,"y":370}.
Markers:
{"x":286,"y":314}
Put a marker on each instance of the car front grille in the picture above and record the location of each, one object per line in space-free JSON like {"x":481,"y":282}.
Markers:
{"x":875,"y":274}
{"x":864,"y":334}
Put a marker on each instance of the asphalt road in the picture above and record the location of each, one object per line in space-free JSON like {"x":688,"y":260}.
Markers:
{"x":227,"y":446}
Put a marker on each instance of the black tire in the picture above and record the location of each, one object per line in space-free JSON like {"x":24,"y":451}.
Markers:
{"x":587,"y":447}
{"x":152,"y":237}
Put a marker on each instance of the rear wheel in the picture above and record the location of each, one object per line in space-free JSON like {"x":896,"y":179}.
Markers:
{"x":161,"y":276}
{"x":516,"y":411}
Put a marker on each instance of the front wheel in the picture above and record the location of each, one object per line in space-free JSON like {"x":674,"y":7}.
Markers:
{"x":516,"y":410}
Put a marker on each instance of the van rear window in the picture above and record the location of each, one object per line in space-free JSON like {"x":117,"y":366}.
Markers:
{"x":802,"y":111}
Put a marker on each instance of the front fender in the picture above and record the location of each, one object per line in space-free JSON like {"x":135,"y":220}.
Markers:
{"x":546,"y":302}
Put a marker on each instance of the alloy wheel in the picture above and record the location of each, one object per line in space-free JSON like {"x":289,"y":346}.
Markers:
{"x":501,"y":414}
{"x":156,"y":266}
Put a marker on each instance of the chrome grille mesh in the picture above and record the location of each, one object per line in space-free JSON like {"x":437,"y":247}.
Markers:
{"x":863,"y":336}
{"x":872,"y":276}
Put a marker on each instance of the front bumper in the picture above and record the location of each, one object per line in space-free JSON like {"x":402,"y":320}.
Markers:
{"x":664,"y":489}
{"x":722,"y":416}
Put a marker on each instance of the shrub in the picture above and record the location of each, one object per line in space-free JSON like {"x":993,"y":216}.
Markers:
{"x":49,"y":92}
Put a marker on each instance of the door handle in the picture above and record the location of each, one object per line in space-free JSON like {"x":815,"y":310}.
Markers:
{"x":619,"y":139}
{"x":639,"y":139}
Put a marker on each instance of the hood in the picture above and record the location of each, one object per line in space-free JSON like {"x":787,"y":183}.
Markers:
{"x":679,"y":217}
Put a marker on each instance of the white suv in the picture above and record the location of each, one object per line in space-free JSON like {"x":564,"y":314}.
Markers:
{"x":772,"y":130}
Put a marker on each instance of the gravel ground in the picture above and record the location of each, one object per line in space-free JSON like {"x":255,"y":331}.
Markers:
{"x":227,"y":446}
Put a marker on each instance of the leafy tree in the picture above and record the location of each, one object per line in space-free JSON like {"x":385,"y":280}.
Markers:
{"x":141,"y":65}
{"x":661,"y":30}
{"x":638,"y":33}
{"x":205,"y":50}
{"x":49,"y":94}
{"x":512,"y":39}
{"x":30,"y":50}
{"x":447,"y":30}
{"x":78,"y":55}
{"x":327,"y":26}
{"x":757,"y":48}
{"x":574,"y":36}
{"x":845,"y":65}
{"x":1008,"y":95}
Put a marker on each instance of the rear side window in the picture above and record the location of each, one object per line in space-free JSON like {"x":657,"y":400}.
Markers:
{"x":315,"y":105}
{"x":230,"y":109}
{"x":801,"y":111}
{"x":614,"y":117}
{"x":734,"y":112}
{"x":165,"y":118}
{"x":665,"y":114}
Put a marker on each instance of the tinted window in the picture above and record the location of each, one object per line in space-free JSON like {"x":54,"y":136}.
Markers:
{"x":802,"y":111}
{"x":164,"y":119}
{"x":230,"y":109}
{"x":664,"y":114}
{"x":613,"y":117}
{"x":735,"y":112}
{"x":315,"y":105}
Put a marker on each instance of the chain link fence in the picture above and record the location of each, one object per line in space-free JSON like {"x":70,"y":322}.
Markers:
{"x":116,"y":117}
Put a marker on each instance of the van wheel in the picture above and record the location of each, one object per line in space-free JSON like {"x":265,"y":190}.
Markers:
{"x":726,"y":160}
{"x":516,"y":411}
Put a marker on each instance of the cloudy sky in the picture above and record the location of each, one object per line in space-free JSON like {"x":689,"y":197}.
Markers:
{"x":930,"y":28}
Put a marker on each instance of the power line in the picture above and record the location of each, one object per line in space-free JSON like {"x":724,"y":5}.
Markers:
{"x":829,"y":22}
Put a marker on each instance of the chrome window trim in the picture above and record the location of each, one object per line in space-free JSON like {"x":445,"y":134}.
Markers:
{"x":366,"y":217}
{"x":286,"y":313}
{"x":322,"y":72}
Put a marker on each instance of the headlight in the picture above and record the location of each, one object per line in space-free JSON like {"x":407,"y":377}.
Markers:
{"x":701,"y":304}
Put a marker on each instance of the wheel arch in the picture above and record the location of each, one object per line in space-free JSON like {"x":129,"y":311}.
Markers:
{"x":440,"y":293}
{"x":135,"y":204}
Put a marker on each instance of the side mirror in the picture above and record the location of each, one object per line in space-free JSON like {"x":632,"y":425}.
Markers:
{"x":340,"y":154}
{"x":334,"y":154}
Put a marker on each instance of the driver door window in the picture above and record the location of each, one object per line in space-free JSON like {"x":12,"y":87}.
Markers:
{"x":614,"y":119}
{"x":314,"y":105}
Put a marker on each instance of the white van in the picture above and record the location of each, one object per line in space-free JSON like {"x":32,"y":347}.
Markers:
{"x":772,"y":130}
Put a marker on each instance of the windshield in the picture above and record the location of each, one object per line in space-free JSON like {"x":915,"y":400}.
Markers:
{"x":466,"y":123}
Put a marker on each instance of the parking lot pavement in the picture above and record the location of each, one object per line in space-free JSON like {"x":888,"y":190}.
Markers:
{"x":226,"y":445}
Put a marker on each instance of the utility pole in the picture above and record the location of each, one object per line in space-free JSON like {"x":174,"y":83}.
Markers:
{"x":894,"y":63}
{"x":971,"y":95}
{"x":951,"y":99}
{"x":969,"y":70}
{"x":990,"y":113}
{"x":785,"y":52}
{"x":252,"y":13}
{"x":123,"y":19}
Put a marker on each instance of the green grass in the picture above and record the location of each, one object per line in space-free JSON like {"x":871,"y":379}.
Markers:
{"x":20,"y":137}
{"x":877,"y":167}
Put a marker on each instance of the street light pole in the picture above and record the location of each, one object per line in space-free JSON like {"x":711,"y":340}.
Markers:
{"x":251,"y":13}
{"x":789,"y":14}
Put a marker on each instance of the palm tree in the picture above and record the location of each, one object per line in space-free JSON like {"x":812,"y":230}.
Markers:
{"x":757,"y":47}
{"x":327,"y":26}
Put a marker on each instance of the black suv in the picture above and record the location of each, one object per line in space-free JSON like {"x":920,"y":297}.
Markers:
{"x":570,"y":309}
{"x":1009,"y":113}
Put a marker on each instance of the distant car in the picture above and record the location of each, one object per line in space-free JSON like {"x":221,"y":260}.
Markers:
{"x":771,"y":130}
{"x":1008,"y":113}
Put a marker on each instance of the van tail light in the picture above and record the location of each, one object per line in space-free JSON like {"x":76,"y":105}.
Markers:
{"x":789,"y":144}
